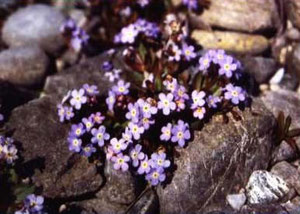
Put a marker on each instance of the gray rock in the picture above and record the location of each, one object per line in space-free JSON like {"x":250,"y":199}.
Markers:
{"x":236,"y":201}
{"x":23,"y":66}
{"x":6,"y":6}
{"x":147,"y":204}
{"x":218,"y":162}
{"x":264,"y":187}
{"x":239,"y":15}
{"x":116,"y":195}
{"x":239,"y":43}
{"x":261,"y":68}
{"x":283,"y":152}
{"x":263,"y":209}
{"x":88,"y":71}
{"x":293,"y":12}
{"x":285,"y":101}
{"x":35,"y":24}
{"x":47,"y":158}
{"x":288,"y":173}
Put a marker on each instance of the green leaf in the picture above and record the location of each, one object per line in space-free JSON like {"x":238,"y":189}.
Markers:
{"x":22,"y":191}
{"x":158,"y":84}
{"x":142,"y":51}
{"x":13,"y":176}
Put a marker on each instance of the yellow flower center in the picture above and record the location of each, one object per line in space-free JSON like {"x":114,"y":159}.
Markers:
{"x":120,"y":160}
{"x":145,"y":165}
{"x":155,"y":175}
{"x":99,"y":136}
{"x":234,"y":93}
{"x":179,"y":134}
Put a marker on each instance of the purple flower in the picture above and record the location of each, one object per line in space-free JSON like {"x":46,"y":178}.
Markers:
{"x":127,"y":135}
{"x":69,"y":113}
{"x":77,"y":130}
{"x":107,"y":66}
{"x":34,"y":203}
{"x":74,"y":144}
{"x":68,"y":25}
{"x":110,"y":153}
{"x":227,"y":67}
{"x":133,"y":113}
{"x":128,"y":34}
{"x":199,"y":113}
{"x":204,"y":62}
{"x":88,"y":150}
{"x":144,"y":166}
{"x":180,"y":93}
{"x":61,"y":112}
{"x":91,"y":90}
{"x":88,"y":122}
{"x":10,"y":153}
{"x":234,"y":93}
{"x":79,"y":39}
{"x":1,"y":117}
{"x":219,"y":56}
{"x":121,"y":88}
{"x":158,"y":160}
{"x":166,"y":132}
{"x":110,"y":100}
{"x":166,"y":103}
{"x":118,"y":145}
{"x":120,"y":162}
{"x":181,"y":133}
{"x":78,"y":98}
{"x":213,"y":101}
{"x":136,"y":155}
{"x":191,"y":4}
{"x":188,"y":52}
{"x":97,"y":118}
{"x":146,"y":108}
{"x":143,"y":3}
{"x":146,"y":122}
{"x":113,"y":75}
{"x":198,"y":99}
{"x":99,"y":135}
{"x":136,"y":130}
{"x":156,"y":176}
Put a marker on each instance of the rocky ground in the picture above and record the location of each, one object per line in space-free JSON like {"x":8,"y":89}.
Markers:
{"x":236,"y":167}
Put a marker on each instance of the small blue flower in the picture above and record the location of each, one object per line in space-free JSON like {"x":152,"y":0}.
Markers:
{"x":121,"y":88}
{"x":74,"y":144}
{"x":166,"y":132}
{"x":78,"y":98}
{"x":136,"y":155}
{"x":88,"y":122}
{"x":158,"y":160}
{"x":77,"y":130}
{"x":166,"y":103}
{"x":156,"y":176}
{"x":118,"y":145}
{"x":34,"y":203}
{"x":144,"y":166}
{"x":111,"y":100}
{"x":100,"y":135}
{"x":198,"y":99}
{"x":88,"y":150}
{"x":181,"y":133}
{"x":234,"y":93}
{"x":121,"y":162}
{"x":91,"y":90}
{"x":133,"y":113}
{"x":136,"y":130}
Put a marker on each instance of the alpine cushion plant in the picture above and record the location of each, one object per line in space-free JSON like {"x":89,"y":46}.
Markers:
{"x":140,"y":124}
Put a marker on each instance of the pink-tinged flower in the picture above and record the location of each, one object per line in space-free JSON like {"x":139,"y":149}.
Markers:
{"x":234,"y":93}
{"x":118,"y":145}
{"x":144,"y":166}
{"x":110,"y":152}
{"x":9,"y":152}
{"x":121,"y":162}
{"x":198,"y":99}
{"x":143,"y":3}
{"x":91,"y":90}
{"x":100,"y":135}
{"x":113,"y":75}
{"x":146,"y":108}
{"x":111,"y":100}
{"x":176,"y":53}
{"x":188,"y":52}
{"x":227,"y":67}
{"x":133,"y":112}
{"x":136,"y":155}
{"x":166,"y":103}
{"x":78,"y":98}
{"x":121,"y":88}
{"x":158,"y":160}
{"x":97,"y":118}
{"x":219,"y":57}
{"x":65,"y":113}
{"x":128,"y":34}
{"x":180,"y":93}
{"x":166,"y":132}
{"x":212,"y":101}
{"x":156,"y":176}
{"x":88,"y":150}
{"x":181,"y":133}
{"x":199,"y":113}
{"x":136,"y":130}
{"x":74,"y":144}
{"x":171,"y":85}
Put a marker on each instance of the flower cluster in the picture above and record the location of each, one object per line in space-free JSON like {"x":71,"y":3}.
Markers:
{"x":129,"y":33}
{"x":33,"y":204}
{"x":139,"y":124}
{"x":8,"y":151}
{"x":74,"y":34}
